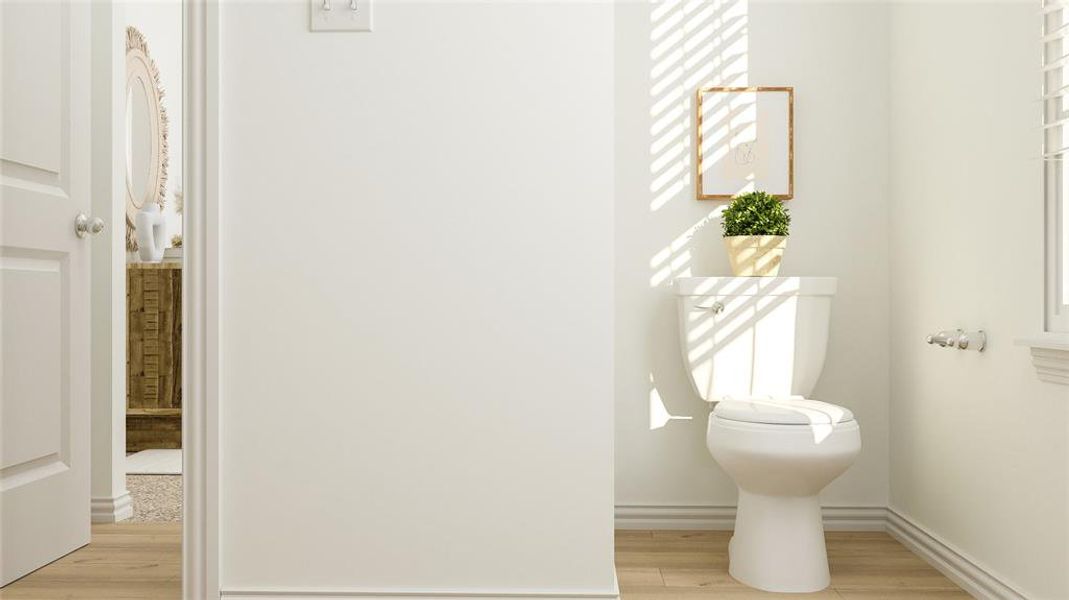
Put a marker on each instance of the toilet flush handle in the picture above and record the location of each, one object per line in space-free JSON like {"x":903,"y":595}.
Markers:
{"x":717,"y":308}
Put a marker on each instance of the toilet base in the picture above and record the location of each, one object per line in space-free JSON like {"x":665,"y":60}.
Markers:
{"x":778,"y":545}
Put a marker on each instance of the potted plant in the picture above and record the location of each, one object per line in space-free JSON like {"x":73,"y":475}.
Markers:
{"x":756,"y":227}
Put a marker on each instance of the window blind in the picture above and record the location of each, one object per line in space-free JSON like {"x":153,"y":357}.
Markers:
{"x":1055,"y":98}
{"x":1055,"y":48}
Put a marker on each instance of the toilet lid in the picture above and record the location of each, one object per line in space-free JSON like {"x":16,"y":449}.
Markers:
{"x":782,"y":411}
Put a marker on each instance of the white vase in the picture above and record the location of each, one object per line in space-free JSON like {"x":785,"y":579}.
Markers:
{"x":151,"y":229}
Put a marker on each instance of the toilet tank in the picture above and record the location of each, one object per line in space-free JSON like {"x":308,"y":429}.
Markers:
{"x":754,"y":336}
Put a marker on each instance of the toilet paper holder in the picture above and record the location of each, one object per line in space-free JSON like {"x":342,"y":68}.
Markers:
{"x":960,"y":339}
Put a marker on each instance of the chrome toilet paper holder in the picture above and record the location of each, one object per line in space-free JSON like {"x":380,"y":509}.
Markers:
{"x":960,"y":339}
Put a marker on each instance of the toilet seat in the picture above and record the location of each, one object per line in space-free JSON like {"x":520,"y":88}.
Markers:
{"x":782,"y":411}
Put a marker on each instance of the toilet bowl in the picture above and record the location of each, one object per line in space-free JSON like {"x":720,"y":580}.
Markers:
{"x":780,"y":467}
{"x":755,"y":346}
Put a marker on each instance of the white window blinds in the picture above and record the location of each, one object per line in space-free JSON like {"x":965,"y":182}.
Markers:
{"x":1055,"y":43}
{"x":1055,"y":83}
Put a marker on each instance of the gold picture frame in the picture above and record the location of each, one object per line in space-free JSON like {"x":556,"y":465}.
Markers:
{"x":780,"y":150}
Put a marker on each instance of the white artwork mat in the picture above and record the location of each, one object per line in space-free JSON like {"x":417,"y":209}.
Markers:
{"x":745,"y":142}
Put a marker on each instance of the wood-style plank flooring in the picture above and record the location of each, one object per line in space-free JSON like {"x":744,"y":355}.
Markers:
{"x":143,"y":561}
{"x":693,"y":565}
{"x":125,"y":561}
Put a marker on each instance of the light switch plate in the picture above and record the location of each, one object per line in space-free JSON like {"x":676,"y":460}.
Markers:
{"x":338,"y":15}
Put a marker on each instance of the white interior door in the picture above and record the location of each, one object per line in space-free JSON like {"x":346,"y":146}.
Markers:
{"x":44,"y":282}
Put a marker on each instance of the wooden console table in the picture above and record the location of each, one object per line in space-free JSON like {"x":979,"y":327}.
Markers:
{"x":153,"y":356}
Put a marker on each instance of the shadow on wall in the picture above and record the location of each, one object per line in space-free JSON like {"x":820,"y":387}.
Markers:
{"x":693,"y":44}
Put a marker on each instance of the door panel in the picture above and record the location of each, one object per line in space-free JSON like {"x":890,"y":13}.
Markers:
{"x":33,"y":46}
{"x":44,"y":285}
{"x":32,"y":295}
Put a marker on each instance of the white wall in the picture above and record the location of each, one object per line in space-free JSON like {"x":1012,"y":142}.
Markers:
{"x":417,"y":293}
{"x":417,"y":263}
{"x":110,"y":499}
{"x":161,"y":23}
{"x":979,"y":447}
{"x":835,"y":55}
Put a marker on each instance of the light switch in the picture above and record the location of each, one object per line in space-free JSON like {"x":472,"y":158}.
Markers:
{"x":340,"y":15}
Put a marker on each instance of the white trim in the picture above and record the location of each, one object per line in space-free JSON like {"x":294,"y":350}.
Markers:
{"x":1050,"y":356}
{"x":958,"y":567}
{"x":108,"y":277}
{"x":836,"y":518}
{"x":368,"y":594}
{"x":1049,"y":341}
{"x":1051,"y":366}
{"x":200,"y":413}
{"x":111,"y":510}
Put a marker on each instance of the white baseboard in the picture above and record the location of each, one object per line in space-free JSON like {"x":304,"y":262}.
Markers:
{"x":348,"y":594}
{"x":963,"y":571}
{"x":111,"y":510}
{"x":960,"y":569}
{"x":836,"y":518}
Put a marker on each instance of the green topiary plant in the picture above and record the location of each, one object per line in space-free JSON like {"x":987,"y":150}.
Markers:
{"x":755,"y":213}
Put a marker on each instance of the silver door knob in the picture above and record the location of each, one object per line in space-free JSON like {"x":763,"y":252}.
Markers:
{"x":83,"y":225}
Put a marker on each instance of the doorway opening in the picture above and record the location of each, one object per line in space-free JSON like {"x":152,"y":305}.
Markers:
{"x":153,"y":206}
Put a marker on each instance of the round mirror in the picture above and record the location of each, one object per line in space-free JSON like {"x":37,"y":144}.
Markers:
{"x":138,"y":142}
{"x":146,"y":132}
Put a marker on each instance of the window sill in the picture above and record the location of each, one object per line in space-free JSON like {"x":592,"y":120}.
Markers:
{"x":1050,"y":356}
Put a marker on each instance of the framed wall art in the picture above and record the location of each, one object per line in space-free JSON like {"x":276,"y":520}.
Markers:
{"x":745,"y":141}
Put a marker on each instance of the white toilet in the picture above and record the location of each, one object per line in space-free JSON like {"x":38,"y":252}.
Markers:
{"x":756,"y":346}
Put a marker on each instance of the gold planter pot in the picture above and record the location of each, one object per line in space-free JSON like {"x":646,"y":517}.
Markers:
{"x":755,"y":255}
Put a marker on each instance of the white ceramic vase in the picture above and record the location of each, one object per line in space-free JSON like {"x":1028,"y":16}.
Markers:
{"x":151,"y":229}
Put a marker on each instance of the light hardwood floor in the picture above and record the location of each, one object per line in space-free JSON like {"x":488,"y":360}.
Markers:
{"x":124,"y":561}
{"x":143,"y":561}
{"x":693,"y":565}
